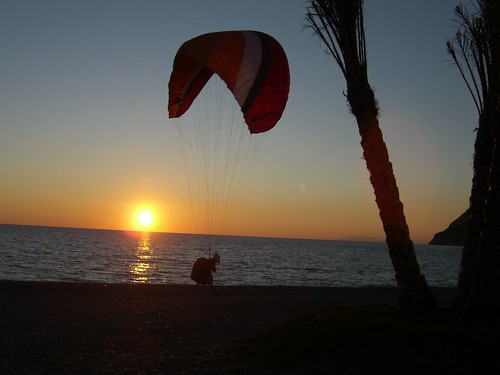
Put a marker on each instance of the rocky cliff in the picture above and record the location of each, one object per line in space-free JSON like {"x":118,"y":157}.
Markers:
{"x":454,"y":235}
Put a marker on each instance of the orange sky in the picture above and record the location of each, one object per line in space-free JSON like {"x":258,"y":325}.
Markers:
{"x":85,"y":140}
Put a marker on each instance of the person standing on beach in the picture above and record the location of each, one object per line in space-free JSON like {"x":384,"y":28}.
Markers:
{"x":202,"y":272}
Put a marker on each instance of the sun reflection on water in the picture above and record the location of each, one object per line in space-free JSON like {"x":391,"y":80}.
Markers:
{"x":143,"y":266}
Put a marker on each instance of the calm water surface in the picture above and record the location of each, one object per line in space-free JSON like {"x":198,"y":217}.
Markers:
{"x":62,"y":254}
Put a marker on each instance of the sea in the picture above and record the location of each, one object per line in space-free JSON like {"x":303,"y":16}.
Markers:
{"x":33,"y":253}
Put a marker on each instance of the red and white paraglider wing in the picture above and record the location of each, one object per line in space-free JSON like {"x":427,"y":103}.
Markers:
{"x":252,"y":64}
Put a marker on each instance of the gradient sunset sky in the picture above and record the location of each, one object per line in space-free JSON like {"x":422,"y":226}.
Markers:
{"x":85,"y":139}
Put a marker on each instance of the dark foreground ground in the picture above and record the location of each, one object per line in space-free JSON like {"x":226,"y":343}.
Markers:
{"x":59,"y":328}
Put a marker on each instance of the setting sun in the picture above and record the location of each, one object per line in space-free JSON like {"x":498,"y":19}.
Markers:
{"x":145,"y":219}
{"x":145,"y":216}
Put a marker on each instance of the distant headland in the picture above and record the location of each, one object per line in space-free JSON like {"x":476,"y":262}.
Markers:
{"x":454,"y":235}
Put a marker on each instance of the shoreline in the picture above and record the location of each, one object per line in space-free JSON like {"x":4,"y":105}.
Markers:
{"x":341,"y":294}
{"x":58,"y":327}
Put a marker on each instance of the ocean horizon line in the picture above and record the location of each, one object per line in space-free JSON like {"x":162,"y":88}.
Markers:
{"x":367,"y":239}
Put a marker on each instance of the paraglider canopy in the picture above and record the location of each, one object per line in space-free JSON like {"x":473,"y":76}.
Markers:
{"x":251,"y":63}
{"x":216,"y":147}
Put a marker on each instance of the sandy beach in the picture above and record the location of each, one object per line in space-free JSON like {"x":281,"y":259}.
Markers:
{"x":123,"y":328}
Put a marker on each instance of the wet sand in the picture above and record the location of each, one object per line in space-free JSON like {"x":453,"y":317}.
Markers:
{"x":148,"y":329}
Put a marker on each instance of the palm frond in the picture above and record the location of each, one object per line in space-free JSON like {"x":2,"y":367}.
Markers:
{"x":339,"y":24}
{"x":473,"y":50}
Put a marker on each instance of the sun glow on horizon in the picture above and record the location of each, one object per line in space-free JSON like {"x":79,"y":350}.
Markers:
{"x":144,"y":219}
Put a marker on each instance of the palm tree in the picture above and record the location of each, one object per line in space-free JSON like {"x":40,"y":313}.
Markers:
{"x":339,"y":24}
{"x":475,"y":51}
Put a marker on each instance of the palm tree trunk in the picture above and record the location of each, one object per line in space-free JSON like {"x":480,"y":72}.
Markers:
{"x":485,"y":291}
{"x":485,"y":294}
{"x":483,"y":149}
{"x":340,"y":25}
{"x":414,"y":293}
{"x":478,"y":58}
